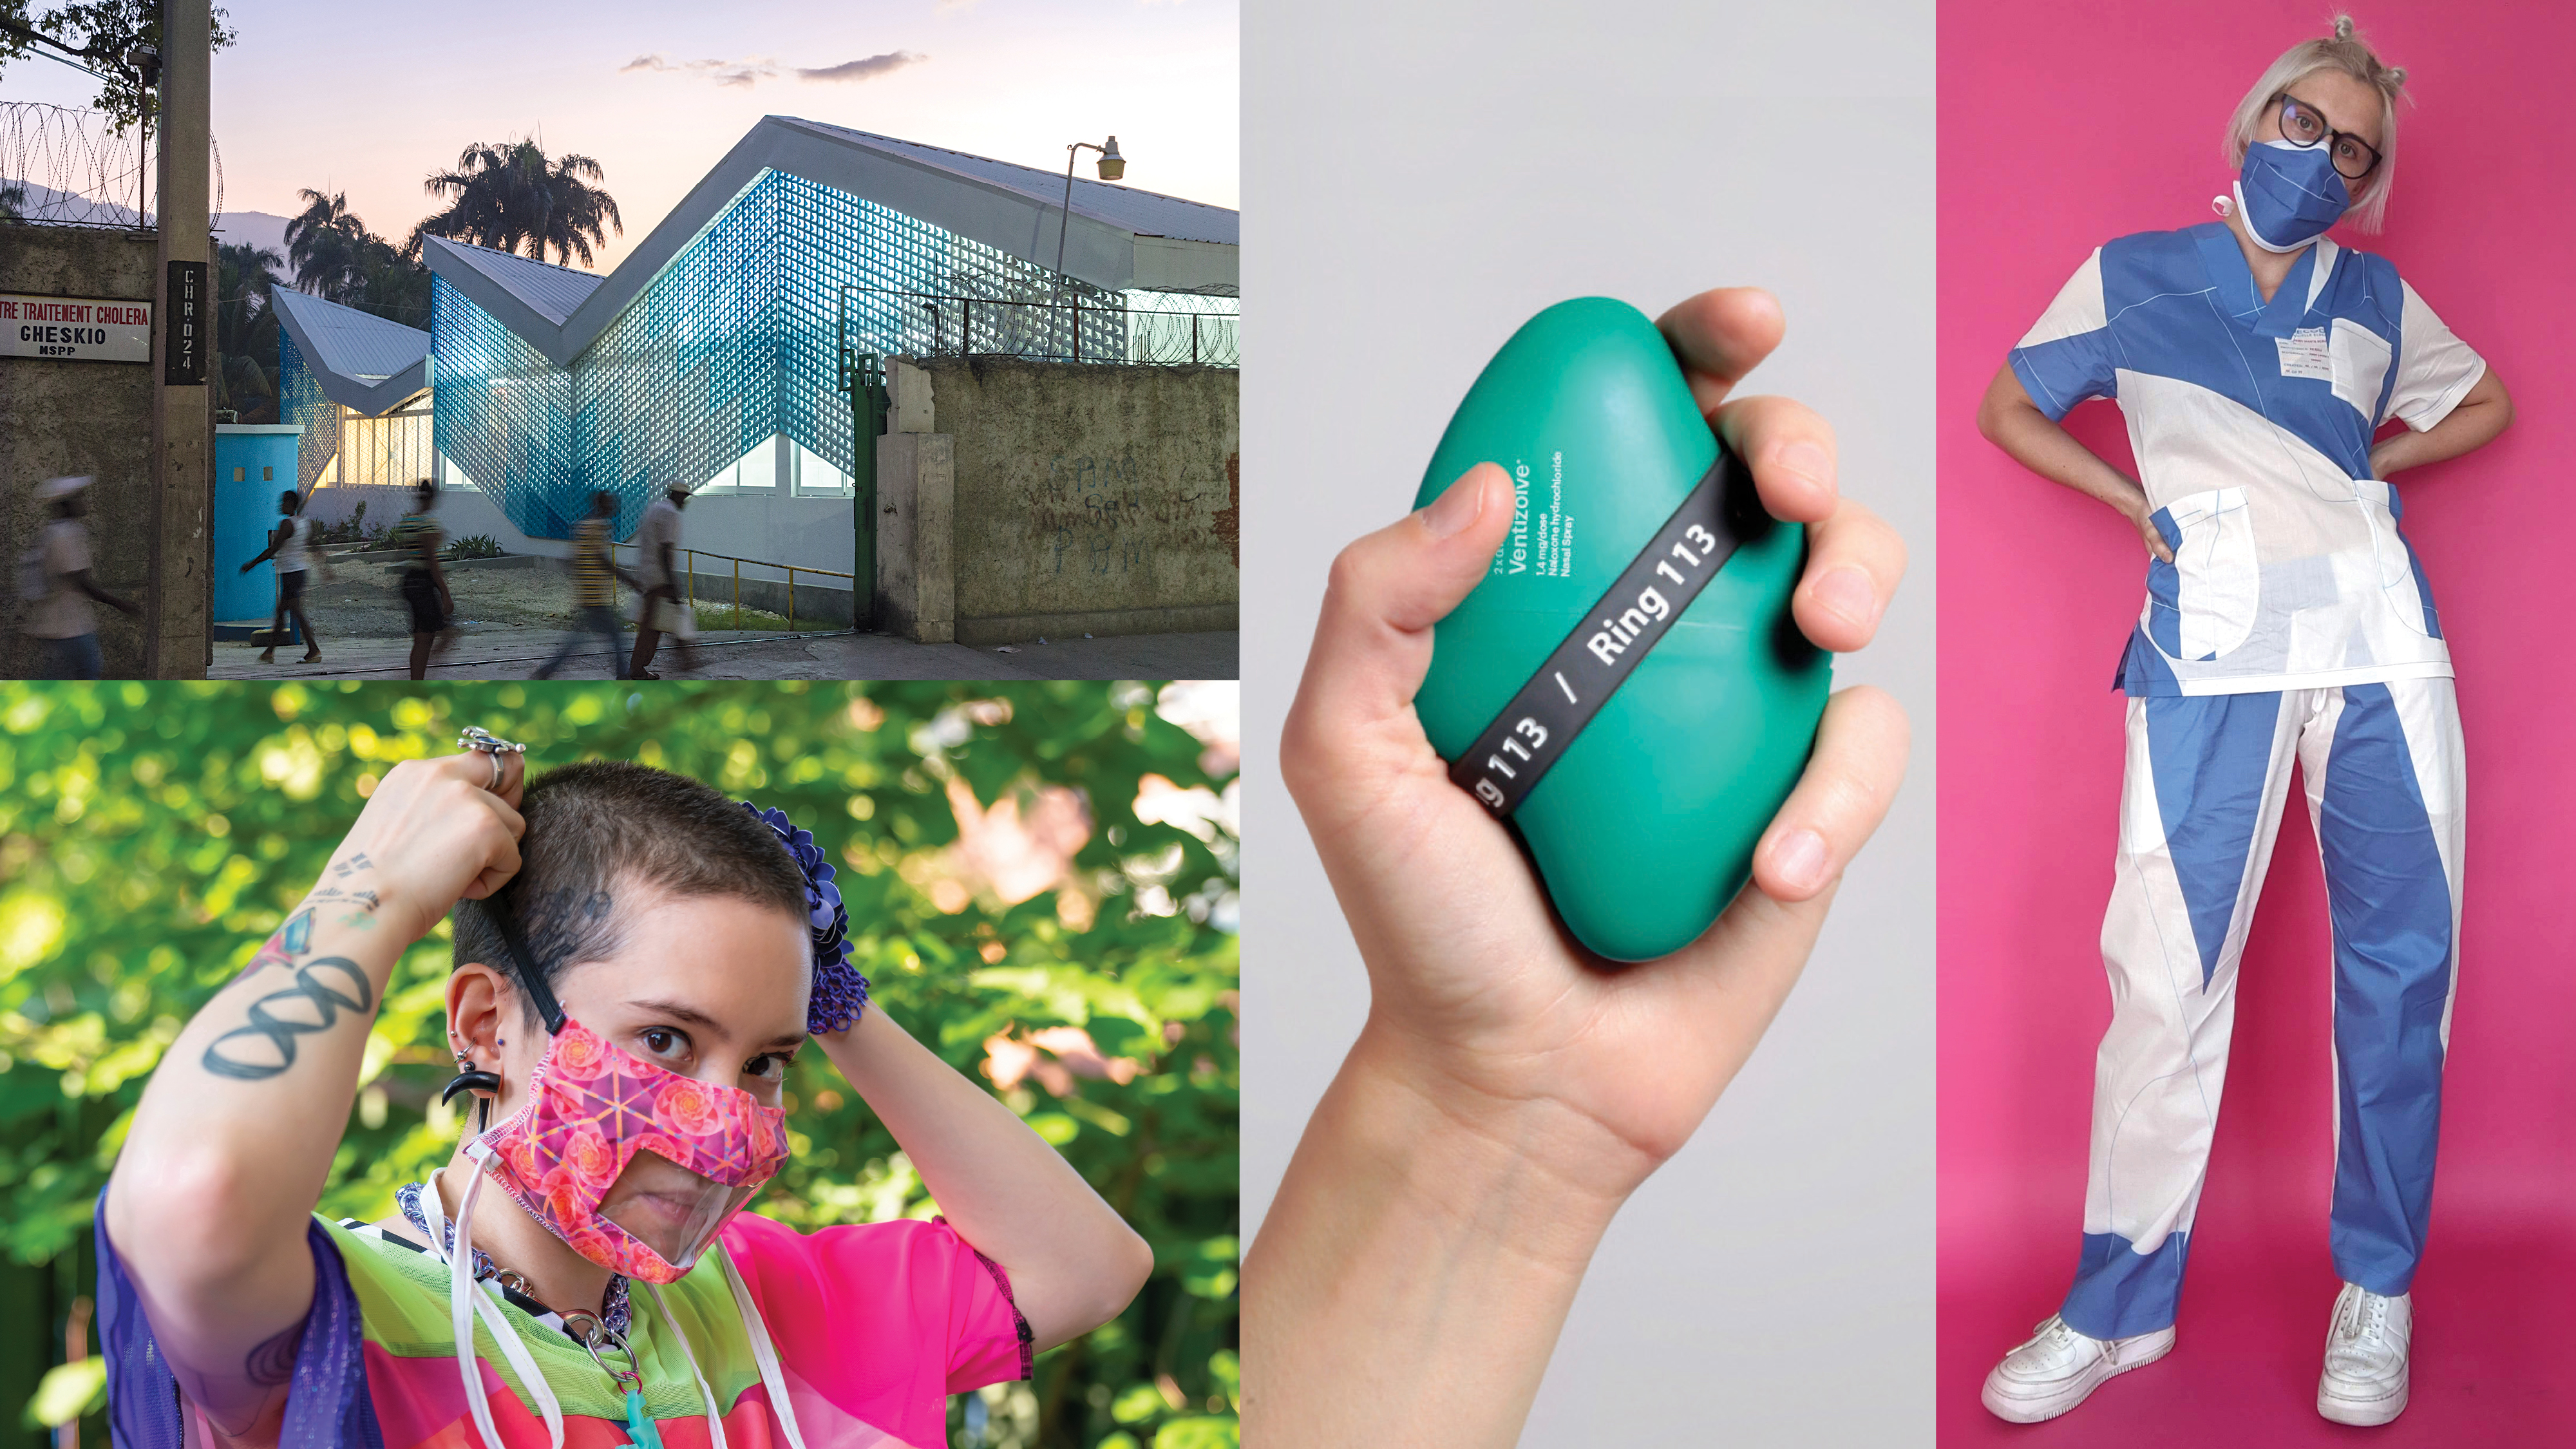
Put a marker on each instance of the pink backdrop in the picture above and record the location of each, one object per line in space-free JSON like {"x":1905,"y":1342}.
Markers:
{"x":2061,"y":127}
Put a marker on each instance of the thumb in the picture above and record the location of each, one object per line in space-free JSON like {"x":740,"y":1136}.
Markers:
{"x":1373,"y":637}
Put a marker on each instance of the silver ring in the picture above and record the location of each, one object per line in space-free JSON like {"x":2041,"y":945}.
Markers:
{"x":483,"y":741}
{"x":596,"y":1335}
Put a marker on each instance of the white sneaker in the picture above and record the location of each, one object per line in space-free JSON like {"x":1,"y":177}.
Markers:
{"x":2058,"y":1367}
{"x":2365,"y":1377}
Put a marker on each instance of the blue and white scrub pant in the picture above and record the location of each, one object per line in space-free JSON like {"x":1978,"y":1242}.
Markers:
{"x":2207,"y":778}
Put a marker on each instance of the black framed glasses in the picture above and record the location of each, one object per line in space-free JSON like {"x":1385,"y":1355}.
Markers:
{"x":2304,"y":125}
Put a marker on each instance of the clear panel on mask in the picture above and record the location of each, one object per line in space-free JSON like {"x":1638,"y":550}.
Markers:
{"x":670,"y":1209}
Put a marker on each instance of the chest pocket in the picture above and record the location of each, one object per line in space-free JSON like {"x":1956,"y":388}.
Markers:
{"x":2360,"y":359}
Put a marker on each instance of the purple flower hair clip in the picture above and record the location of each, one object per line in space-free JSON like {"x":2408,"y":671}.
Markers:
{"x":840,"y":992}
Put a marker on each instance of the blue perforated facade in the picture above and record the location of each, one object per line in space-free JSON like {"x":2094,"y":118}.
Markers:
{"x":300,"y":400}
{"x":732,"y":343}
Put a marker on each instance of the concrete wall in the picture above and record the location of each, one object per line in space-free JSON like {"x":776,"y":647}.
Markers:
{"x":801,"y":531}
{"x":916,"y":579}
{"x":60,"y":417}
{"x":1088,"y":499}
{"x":806,"y":532}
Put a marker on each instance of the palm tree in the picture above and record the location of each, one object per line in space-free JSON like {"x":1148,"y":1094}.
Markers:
{"x":244,"y":276}
{"x":326,"y":242}
{"x":512,"y":197}
{"x":391,"y":284}
{"x":337,"y":259}
{"x":246,"y":331}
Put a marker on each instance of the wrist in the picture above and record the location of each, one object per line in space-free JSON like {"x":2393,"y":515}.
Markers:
{"x":369,"y":906}
{"x":1542,"y":1177}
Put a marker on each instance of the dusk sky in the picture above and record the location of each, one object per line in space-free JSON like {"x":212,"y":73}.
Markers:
{"x":369,"y":98}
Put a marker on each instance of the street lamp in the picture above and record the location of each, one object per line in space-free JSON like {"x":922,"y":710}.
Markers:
{"x":1112,"y":167}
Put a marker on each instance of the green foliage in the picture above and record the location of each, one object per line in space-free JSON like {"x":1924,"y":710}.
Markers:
{"x":727,"y":616}
{"x":152,"y":835}
{"x":246,"y":332}
{"x":338,"y":259}
{"x":68,"y":1391}
{"x":473,"y":545}
{"x":104,"y":33}
{"x":514,"y":196}
{"x":353,"y":529}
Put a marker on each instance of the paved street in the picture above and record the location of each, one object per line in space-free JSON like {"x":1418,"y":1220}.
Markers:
{"x":514,"y":652}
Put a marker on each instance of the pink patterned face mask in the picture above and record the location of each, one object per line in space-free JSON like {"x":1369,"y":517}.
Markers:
{"x":634,"y":1165}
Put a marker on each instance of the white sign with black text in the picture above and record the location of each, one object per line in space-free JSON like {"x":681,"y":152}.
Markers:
{"x":75,"y":329}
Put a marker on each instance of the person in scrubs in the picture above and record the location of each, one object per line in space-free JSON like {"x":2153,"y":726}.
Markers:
{"x":2286,"y":621}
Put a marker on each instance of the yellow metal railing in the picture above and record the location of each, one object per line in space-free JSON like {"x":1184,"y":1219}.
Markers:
{"x":791,"y":570}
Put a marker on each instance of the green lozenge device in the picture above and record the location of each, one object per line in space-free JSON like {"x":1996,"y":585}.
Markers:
{"x":1643,"y":820}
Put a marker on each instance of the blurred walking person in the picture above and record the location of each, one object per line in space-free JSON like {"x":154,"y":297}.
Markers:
{"x":57,"y":585}
{"x":291,"y":548}
{"x":657,"y":544}
{"x":595,"y":574}
{"x":424,"y":583}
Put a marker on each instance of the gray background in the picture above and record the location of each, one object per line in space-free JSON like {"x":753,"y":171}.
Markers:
{"x":1418,"y":179}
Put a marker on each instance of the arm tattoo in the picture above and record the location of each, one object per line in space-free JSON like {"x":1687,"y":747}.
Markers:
{"x":367,"y":900}
{"x":291,"y":940}
{"x":273,"y":1362}
{"x":282,"y":1034}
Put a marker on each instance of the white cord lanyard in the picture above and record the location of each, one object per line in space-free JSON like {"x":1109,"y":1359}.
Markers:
{"x":464,"y":1299}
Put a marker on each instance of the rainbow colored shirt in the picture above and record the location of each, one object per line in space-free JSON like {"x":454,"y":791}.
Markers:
{"x":874,"y":1325}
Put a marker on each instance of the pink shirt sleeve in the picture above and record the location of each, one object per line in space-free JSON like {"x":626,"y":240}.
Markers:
{"x":885,"y":1320}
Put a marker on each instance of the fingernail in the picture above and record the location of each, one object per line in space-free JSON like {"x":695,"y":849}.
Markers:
{"x":1799,"y":860}
{"x":1457,"y":508}
{"x":1807,"y":461}
{"x":1848,"y":594}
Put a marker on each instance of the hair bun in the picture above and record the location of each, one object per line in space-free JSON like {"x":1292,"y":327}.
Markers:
{"x":2397,"y":75}
{"x":2343,"y":27}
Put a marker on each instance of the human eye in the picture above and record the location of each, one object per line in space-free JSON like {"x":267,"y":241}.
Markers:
{"x":768,"y":1066}
{"x":666,"y":1042}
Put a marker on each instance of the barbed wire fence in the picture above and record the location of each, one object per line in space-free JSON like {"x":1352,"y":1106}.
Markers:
{"x":64,"y":166}
{"x":1143,"y":329}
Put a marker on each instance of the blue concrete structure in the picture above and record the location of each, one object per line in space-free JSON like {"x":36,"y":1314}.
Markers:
{"x":253,"y":464}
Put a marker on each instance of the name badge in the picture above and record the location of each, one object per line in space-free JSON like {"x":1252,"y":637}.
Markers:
{"x":2304,"y":354}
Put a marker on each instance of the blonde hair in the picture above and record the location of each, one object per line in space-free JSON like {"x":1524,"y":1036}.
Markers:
{"x":2349,"y":53}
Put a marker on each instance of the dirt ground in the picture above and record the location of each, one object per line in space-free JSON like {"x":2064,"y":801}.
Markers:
{"x":513,"y":618}
{"x":363,"y":600}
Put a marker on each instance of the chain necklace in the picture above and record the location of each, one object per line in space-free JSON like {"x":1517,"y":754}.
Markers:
{"x":618,"y":1316}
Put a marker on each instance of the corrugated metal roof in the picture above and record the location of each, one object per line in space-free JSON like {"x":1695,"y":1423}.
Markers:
{"x":1146,"y":213}
{"x":1118,"y":237}
{"x":550,"y":291}
{"x":361,"y":360}
{"x":347,"y":341}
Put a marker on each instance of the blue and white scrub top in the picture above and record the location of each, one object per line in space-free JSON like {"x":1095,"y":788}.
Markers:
{"x":2252,"y":423}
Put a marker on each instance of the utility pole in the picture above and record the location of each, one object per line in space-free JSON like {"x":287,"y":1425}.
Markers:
{"x":178,"y":640}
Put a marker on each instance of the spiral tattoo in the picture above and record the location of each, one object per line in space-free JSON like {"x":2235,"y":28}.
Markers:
{"x":273,"y":1362}
{"x":282,"y":1034}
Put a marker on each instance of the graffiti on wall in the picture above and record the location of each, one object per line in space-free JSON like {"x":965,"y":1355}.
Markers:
{"x":1100,"y":516}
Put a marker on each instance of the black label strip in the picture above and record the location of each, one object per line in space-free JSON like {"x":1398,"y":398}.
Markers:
{"x":1534,"y":730}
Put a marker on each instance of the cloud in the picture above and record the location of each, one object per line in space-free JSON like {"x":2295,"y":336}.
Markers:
{"x":744,"y":73}
{"x":864,"y":70}
{"x":751,"y":71}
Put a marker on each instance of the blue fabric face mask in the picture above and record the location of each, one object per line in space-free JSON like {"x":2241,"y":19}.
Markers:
{"x":2288,"y":194}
